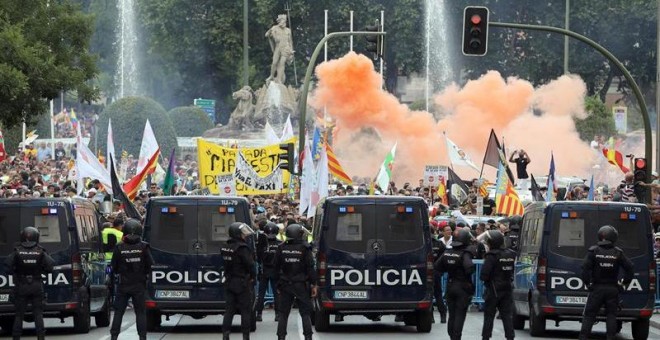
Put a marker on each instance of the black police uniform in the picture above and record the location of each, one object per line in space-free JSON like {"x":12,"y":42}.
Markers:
{"x":27,"y":263}
{"x":268,"y":275}
{"x":497,"y":275}
{"x":239,"y":276}
{"x":131,"y":264}
{"x":294,"y":265}
{"x":438,"y":249}
{"x":457,"y":263}
{"x":600,"y":272}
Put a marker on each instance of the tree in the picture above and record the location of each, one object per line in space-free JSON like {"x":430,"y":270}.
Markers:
{"x":189,"y":121}
{"x":44,"y":51}
{"x":598,"y":122}
{"x":129,"y":116}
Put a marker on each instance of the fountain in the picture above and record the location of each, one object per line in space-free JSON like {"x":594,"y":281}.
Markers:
{"x":126,"y":79}
{"x":439,"y":70}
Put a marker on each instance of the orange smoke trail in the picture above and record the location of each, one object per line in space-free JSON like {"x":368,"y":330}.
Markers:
{"x":351,"y":91}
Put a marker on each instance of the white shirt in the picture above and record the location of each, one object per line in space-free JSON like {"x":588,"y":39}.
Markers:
{"x":447,"y":243}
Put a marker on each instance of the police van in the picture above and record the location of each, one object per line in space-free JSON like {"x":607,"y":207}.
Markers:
{"x":555,"y":238}
{"x":373,"y":257}
{"x":186,"y":234}
{"x":69,"y":229}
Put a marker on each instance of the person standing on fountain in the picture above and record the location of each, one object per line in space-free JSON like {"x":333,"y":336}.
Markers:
{"x":281,"y":43}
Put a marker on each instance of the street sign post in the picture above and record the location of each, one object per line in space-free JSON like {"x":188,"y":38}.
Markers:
{"x":208,"y":105}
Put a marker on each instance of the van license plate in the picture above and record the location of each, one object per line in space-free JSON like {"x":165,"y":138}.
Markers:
{"x":352,"y":294}
{"x":173,"y":294}
{"x":4,"y":297}
{"x":571,"y":300}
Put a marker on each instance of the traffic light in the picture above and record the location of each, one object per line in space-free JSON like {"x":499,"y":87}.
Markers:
{"x":375,"y":43}
{"x":475,"y":31}
{"x":640,"y":170}
{"x":287,"y":161}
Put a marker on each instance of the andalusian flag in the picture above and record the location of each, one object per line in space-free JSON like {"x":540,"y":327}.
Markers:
{"x":334,"y":167}
{"x":168,"y":183}
{"x":385,"y":173}
{"x":506,"y":197}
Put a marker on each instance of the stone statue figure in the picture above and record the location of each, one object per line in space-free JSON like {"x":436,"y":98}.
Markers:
{"x":241,"y":117}
{"x":281,"y":43}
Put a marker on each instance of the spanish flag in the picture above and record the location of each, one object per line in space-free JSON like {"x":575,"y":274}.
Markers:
{"x":615,"y":158}
{"x":334,"y":167}
{"x":132,"y":187}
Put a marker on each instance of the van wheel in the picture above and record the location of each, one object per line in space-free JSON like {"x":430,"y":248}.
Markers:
{"x":102,"y":318}
{"x":321,"y":320}
{"x":153,"y":321}
{"x":518,"y":320}
{"x":640,"y":329}
{"x":7,"y":323}
{"x":82,"y":319}
{"x":410,"y":319}
{"x":424,"y":321}
{"x":619,"y":326}
{"x":536,"y":323}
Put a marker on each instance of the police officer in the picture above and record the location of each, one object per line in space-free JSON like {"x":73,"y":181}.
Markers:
{"x":268,"y":274}
{"x":438,"y":249}
{"x":512,"y":240}
{"x":294,"y":265}
{"x":27,"y":263}
{"x":131,"y":266}
{"x":240,"y":273}
{"x":111,"y":236}
{"x":497,"y":275}
{"x":600,"y":272}
{"x":457,"y":263}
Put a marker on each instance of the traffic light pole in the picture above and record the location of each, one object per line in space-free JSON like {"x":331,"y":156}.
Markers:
{"x":648,"y":150}
{"x":302,"y":106}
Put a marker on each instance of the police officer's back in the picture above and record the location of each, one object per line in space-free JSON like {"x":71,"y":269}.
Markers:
{"x":240,"y":272}
{"x":457,"y":263}
{"x":131,"y":266}
{"x":268,"y":272}
{"x":294,"y":265}
{"x":600,"y":273}
{"x":27,"y":263}
{"x":497,"y":275}
{"x":438,"y":249}
{"x":513,"y":238}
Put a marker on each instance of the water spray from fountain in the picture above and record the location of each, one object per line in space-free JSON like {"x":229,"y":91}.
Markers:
{"x":439,"y":67}
{"x":127,"y":77}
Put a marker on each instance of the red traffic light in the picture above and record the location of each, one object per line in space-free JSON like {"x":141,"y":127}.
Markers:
{"x":640,"y":163}
{"x":475,"y":19}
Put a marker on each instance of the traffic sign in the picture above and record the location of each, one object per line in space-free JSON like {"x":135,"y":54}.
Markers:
{"x":205,"y":102}
{"x":208,"y":105}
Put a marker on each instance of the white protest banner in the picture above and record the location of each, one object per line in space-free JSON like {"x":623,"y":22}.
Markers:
{"x":226,"y":184}
{"x":245,"y":174}
{"x":434,"y":174}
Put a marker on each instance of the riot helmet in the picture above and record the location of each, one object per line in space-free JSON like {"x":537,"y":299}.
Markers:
{"x":29,"y":237}
{"x":238,"y":230}
{"x":514,"y":222}
{"x":494,"y":239}
{"x":462,"y":238}
{"x":607,"y":235}
{"x":295,"y":232}
{"x":132,"y":227}
{"x":271,"y":230}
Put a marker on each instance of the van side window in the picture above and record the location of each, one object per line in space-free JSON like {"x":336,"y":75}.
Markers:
{"x":349,"y":227}
{"x":49,"y":228}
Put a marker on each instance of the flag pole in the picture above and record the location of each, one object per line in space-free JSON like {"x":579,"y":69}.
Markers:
{"x":451,"y":165}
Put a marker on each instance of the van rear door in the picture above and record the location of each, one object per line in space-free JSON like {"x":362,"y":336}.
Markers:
{"x":574,"y":230}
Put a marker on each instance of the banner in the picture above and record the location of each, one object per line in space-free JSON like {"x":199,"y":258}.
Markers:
{"x":226,"y":184}
{"x":245,"y":174}
{"x":434,"y":174}
{"x":217,"y":160}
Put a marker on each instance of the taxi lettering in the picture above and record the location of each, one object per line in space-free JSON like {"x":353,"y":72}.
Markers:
{"x":389,"y":277}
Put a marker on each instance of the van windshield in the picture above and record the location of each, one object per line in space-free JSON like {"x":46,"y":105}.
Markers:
{"x":400,"y":227}
{"x":572,"y":237}
{"x":50,"y":222}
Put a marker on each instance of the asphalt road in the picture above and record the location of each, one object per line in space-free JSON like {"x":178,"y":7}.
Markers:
{"x":354,"y":327}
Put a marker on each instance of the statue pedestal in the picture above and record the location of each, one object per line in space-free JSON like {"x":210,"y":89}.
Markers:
{"x":275,"y":102}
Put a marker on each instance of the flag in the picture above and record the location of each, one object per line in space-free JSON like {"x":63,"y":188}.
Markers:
{"x":385,"y":173}
{"x":148,"y":149}
{"x":87,"y":165}
{"x":483,"y":189}
{"x":536,"y":191}
{"x":615,"y":158}
{"x":442,"y":191}
{"x":74,"y":119}
{"x":590,"y":196}
{"x":321,"y":189}
{"x":168,"y":183}
{"x":334,"y":167}
{"x":458,"y":190}
{"x":494,"y":155}
{"x":552,"y":181}
{"x":133,"y":185}
{"x":271,"y":136}
{"x":3,"y":153}
{"x":316,"y":144}
{"x":287,"y":130}
{"x":110,"y":144}
{"x":506,"y":198}
{"x":307,"y":180}
{"x":119,"y":194}
{"x":457,"y":156}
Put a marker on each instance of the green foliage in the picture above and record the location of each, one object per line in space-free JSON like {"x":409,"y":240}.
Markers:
{"x":189,"y":121}
{"x":598,"y":122}
{"x":44,"y":51}
{"x":129,"y":116}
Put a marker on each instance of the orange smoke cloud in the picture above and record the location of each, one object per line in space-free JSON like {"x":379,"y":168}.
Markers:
{"x":351,"y":91}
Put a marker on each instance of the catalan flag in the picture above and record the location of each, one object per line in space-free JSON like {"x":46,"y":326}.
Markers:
{"x":334,"y":167}
{"x":615,"y":158}
{"x":506,"y":198}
